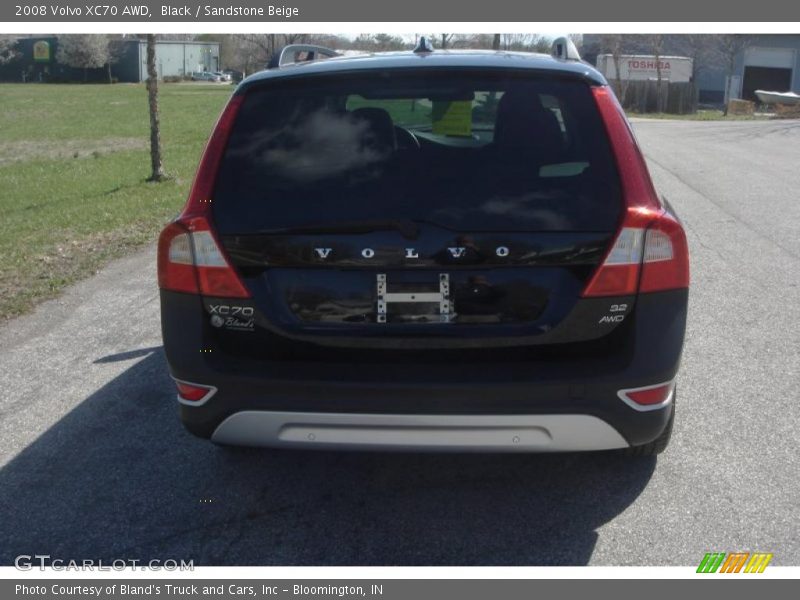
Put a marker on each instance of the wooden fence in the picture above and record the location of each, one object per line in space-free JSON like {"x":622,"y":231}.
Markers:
{"x":644,"y":97}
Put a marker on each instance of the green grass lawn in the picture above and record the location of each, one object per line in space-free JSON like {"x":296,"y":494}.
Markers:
{"x":700,"y":115}
{"x":74,"y":161}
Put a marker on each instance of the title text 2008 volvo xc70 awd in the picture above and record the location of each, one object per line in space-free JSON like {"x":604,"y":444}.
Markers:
{"x":426,"y":250}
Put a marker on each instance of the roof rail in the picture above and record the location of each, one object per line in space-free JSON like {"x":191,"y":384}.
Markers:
{"x":288,"y":54}
{"x":564,"y":48}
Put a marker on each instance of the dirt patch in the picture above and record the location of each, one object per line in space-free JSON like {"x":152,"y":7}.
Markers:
{"x":65,"y":262}
{"x":24,"y":150}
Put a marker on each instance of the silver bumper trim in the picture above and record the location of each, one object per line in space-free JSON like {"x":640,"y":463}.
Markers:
{"x":493,"y":433}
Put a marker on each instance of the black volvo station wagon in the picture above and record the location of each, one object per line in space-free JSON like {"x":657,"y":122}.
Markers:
{"x":425,"y":250}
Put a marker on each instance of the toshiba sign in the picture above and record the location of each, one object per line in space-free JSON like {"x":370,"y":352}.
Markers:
{"x":673,"y":68}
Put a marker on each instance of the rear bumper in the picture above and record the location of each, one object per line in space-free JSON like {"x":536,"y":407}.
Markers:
{"x":491,"y":433}
{"x":558,"y":402}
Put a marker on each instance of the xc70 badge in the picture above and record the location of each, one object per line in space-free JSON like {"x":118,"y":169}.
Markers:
{"x":231,"y":316}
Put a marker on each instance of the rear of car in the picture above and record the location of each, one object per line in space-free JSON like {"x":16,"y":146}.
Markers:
{"x":454,"y":252}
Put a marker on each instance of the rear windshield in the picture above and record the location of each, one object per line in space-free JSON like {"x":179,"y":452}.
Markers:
{"x":468,"y":151}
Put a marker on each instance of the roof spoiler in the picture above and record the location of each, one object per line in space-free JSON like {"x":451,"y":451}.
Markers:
{"x":288,"y":54}
{"x":564,"y":49}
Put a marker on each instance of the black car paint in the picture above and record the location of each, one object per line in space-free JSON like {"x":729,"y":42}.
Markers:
{"x":576,"y":365}
{"x":329,"y":280}
{"x":563,"y":378}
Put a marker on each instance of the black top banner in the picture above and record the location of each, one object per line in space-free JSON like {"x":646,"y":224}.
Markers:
{"x":452,"y":11}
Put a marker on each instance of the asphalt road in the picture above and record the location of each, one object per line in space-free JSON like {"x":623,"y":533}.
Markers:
{"x":93,"y":461}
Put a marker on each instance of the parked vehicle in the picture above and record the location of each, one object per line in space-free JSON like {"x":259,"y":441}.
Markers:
{"x":426,"y":250}
{"x":222,"y":75}
{"x":676,"y":69}
{"x":205,"y":76}
{"x":235,"y":76}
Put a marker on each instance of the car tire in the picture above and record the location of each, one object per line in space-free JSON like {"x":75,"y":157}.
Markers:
{"x":658,"y":445}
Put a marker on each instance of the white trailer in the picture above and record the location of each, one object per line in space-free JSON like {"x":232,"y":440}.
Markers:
{"x":676,"y":69}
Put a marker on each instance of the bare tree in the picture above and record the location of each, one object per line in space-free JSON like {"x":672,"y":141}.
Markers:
{"x":657,"y":46}
{"x":614,"y":44}
{"x":186,"y":37}
{"x":458,"y":40}
{"x":259,"y":48}
{"x":7,"y":48}
{"x":697,"y":46}
{"x":729,"y":46}
{"x":496,"y":41}
{"x":530,"y":42}
{"x":83,"y":51}
{"x":386,"y":42}
{"x":378,"y":42}
{"x":116,"y":50}
{"x":155,"y":125}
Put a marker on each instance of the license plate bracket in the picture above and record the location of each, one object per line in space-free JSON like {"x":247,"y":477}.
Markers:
{"x":409,"y":296}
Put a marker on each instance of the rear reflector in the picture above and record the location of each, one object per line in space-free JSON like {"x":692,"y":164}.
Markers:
{"x":650,"y":252}
{"x":194,"y":393}
{"x":190,"y":258}
{"x":650,"y":397}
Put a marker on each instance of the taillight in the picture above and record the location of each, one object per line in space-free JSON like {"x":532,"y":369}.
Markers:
{"x":619,"y":273}
{"x":665,"y":264}
{"x":651,"y":397}
{"x":190,"y":258}
{"x":650,"y":251}
{"x":194,"y":393}
{"x":215,"y":275}
{"x":175,"y":260}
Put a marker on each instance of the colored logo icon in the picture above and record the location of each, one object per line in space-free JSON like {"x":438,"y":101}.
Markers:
{"x":734,"y":562}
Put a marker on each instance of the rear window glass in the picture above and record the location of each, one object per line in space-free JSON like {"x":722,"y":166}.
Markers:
{"x":469,"y":151}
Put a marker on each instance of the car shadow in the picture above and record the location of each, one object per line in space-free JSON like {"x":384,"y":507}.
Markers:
{"x":119,"y":478}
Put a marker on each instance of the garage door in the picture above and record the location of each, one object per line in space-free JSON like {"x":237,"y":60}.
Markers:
{"x":776,"y":58}
{"x":765,"y":78}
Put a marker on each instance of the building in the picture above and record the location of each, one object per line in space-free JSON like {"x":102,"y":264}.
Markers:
{"x":173,"y":59}
{"x":36,"y":61}
{"x":770,"y":62}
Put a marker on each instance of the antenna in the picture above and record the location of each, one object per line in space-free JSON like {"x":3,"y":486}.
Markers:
{"x":424,"y":46}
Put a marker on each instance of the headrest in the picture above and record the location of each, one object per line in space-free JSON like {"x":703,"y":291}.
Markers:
{"x":524,"y":123}
{"x":380,"y":133}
